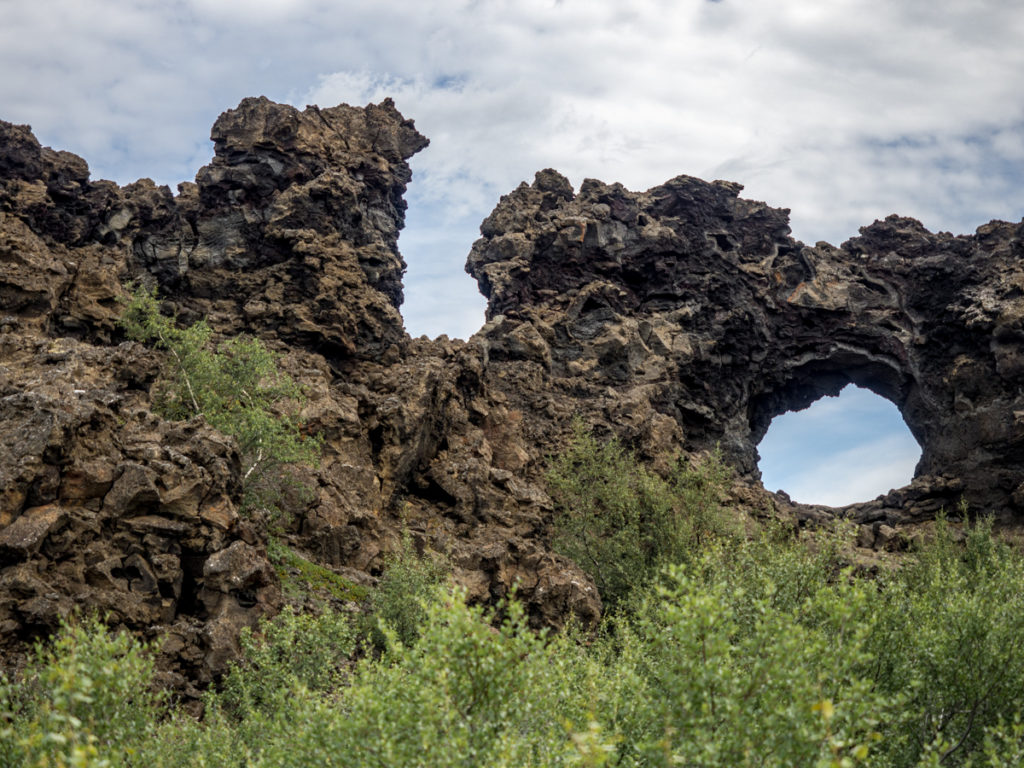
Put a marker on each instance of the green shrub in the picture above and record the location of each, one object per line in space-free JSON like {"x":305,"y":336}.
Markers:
{"x":949,"y":632}
{"x":397,"y":603}
{"x":85,"y":699}
{"x":621,"y":522}
{"x":292,"y":650}
{"x":238,"y":387}
{"x":295,"y":663}
{"x":1002,"y":745}
{"x":466,"y":692}
{"x":738,"y":678}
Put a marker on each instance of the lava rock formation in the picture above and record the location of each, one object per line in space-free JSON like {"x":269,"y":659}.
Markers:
{"x":678,"y":319}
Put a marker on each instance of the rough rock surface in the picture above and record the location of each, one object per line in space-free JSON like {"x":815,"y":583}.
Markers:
{"x":677,"y":318}
{"x":699,"y":305}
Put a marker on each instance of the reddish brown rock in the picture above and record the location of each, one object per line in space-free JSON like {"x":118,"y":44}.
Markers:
{"x":23,"y":537}
{"x":291,"y":232}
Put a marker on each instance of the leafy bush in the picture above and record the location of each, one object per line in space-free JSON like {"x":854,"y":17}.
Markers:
{"x":621,"y":522}
{"x":948,"y":635}
{"x":84,"y":700}
{"x":398,"y":601}
{"x":291,"y":651}
{"x":744,"y":677}
{"x":750,"y":652}
{"x":238,"y":387}
{"x":465,"y":693}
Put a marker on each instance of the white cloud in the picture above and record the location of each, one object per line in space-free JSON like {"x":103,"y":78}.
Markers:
{"x":845,"y":112}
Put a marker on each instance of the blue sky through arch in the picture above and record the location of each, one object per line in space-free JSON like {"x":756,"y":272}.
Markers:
{"x":840,"y":450}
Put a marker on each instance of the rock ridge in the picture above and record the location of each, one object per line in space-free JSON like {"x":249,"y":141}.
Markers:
{"x":678,"y":319}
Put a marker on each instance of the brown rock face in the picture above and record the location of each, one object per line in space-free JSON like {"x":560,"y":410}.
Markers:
{"x":292,"y":229}
{"x":106,"y":508}
{"x":677,"y":318}
{"x":290,"y":233}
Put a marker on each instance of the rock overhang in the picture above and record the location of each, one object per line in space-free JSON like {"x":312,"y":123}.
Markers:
{"x":741,"y":322}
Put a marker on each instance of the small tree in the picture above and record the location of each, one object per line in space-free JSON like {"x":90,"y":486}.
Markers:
{"x":623,"y":523}
{"x":238,"y":387}
{"x":399,"y":601}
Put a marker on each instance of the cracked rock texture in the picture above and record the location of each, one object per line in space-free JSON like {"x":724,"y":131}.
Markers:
{"x":678,"y":319}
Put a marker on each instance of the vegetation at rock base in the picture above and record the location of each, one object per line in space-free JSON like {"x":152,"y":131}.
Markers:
{"x":623,"y":523}
{"x":238,"y":387}
{"x":84,"y":700}
{"x":748,"y":652}
{"x":300,"y":577}
{"x":399,"y":603}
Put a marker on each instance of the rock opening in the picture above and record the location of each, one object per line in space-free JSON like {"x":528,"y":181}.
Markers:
{"x":840,"y":450}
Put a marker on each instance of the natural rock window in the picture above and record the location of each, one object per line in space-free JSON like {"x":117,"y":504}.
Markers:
{"x":841,"y":450}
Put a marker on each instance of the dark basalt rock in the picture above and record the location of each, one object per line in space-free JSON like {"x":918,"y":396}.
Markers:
{"x":292,"y":230}
{"x":704,"y":298}
{"x":678,"y":319}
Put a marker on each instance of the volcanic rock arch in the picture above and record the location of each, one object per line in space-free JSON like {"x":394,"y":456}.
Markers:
{"x":702,"y":301}
{"x":817,"y":378}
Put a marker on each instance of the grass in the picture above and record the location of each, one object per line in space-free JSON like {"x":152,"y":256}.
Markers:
{"x":300,"y":577}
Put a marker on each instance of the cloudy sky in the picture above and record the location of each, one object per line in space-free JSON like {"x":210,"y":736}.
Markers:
{"x":842,"y":110}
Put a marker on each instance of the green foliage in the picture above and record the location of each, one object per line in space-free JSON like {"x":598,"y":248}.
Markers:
{"x":742,"y":675}
{"x":84,"y":700}
{"x":238,"y":387}
{"x":1002,"y":746}
{"x":467,"y":692}
{"x":300,"y":577}
{"x":398,"y":601}
{"x":756,"y":652}
{"x":294,"y":664}
{"x":455,"y":697}
{"x":949,"y":635}
{"x":291,"y":651}
{"x":753,"y":653}
{"x":622,"y":523}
